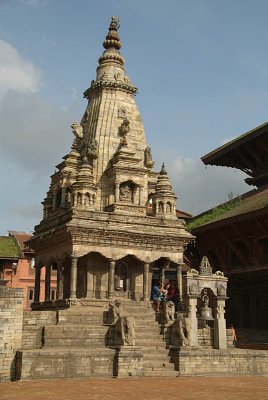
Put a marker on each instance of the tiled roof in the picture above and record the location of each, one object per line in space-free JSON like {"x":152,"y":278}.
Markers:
{"x":214,"y":156}
{"x":250,"y":202}
{"x":22,"y":237}
{"x":183,"y":214}
{"x":9,"y":248}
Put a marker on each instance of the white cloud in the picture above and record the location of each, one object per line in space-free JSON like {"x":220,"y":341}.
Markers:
{"x":16,"y":74}
{"x":200,"y":188}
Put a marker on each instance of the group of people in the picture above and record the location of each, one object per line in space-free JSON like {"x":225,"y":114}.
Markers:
{"x":165,"y":292}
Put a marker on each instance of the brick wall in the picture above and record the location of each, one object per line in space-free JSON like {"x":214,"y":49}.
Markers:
{"x":11,"y":316}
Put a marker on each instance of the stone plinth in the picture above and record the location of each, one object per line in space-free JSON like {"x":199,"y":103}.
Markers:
{"x":129,"y":362}
{"x":220,"y":362}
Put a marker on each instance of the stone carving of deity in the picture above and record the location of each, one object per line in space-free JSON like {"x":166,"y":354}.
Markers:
{"x":126,"y":193}
{"x":93,"y":148}
{"x":123,"y":131}
{"x":78,"y":143}
{"x":148,"y":160}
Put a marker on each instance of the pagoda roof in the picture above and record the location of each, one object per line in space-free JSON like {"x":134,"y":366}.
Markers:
{"x":9,"y":248}
{"x":242,"y":207}
{"x":222,"y":155}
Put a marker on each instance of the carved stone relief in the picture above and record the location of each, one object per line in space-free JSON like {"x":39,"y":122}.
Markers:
{"x":126,"y":192}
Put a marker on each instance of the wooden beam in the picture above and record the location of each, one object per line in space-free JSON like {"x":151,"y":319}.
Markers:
{"x":255,"y":155}
{"x":246,"y":162}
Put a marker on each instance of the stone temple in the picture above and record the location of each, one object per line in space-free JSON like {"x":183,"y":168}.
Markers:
{"x":109,"y":218}
{"x":110,"y":229}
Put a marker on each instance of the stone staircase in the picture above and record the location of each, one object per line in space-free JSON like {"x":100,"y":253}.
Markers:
{"x":76,"y":342}
{"x":156,"y":359}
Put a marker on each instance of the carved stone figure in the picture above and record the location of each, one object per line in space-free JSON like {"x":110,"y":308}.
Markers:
{"x":115,"y":311}
{"x":77,"y":130}
{"x":193,"y":288}
{"x":126,"y":193}
{"x":104,"y":76}
{"x":93,"y":148}
{"x":193,"y":271}
{"x":219,"y":273}
{"x":122,"y":112}
{"x":221,"y":291}
{"x":117,"y":76}
{"x":168,"y":313}
{"x":205,"y":268}
{"x":181,"y":331}
{"x":123,"y":130}
{"x":148,"y":160}
{"x":125,"y":328}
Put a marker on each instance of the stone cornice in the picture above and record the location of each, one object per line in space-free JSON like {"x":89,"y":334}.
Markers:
{"x":96,"y":85}
{"x":110,"y":238}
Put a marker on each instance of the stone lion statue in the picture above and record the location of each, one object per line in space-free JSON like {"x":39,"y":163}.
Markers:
{"x":168,"y":313}
{"x":181,"y":331}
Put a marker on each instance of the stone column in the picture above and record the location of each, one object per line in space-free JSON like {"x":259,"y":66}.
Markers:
{"x":146,"y":281}
{"x":37,"y":284}
{"x":63,"y":197}
{"x":140,"y":195}
{"x":47,"y":282}
{"x":59,"y":293}
{"x":220,"y":341}
{"x":191,"y":303}
{"x":73,"y":277}
{"x":162,"y":275}
{"x":89,"y":283}
{"x":54,"y":200}
{"x":111,"y":279}
{"x":116,"y":192}
{"x":179,"y":280}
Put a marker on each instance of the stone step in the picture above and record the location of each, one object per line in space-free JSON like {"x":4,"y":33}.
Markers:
{"x":75,"y":342}
{"x":72,"y":330}
{"x":80,"y":321}
{"x":144,"y":341}
{"x":159,"y":357}
{"x":160,"y":373}
{"x":152,"y":366}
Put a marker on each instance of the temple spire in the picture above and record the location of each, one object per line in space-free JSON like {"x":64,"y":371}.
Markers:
{"x":112,"y":39}
{"x":163,"y":170}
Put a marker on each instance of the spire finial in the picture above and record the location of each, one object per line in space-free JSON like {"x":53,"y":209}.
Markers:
{"x":163,"y":170}
{"x":112,"y":39}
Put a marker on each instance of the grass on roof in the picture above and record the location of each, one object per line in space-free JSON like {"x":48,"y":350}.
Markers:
{"x":212,"y":214}
{"x":9,"y":247}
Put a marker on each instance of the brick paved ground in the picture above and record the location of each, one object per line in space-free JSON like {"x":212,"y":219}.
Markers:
{"x":201,"y":388}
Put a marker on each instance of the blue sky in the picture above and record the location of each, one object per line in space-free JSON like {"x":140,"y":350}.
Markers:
{"x":201,"y":70}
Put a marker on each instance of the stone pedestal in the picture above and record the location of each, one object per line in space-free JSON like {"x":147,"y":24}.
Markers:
{"x":191,"y":303}
{"x":220,"y":340}
{"x":128,"y":362}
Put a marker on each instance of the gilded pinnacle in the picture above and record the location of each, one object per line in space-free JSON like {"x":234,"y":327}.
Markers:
{"x":112,"y":39}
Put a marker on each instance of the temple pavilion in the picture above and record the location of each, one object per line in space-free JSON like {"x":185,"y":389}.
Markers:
{"x":109,"y":220}
{"x":234,"y":235}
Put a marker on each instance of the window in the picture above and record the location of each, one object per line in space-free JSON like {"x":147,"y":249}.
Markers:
{"x":54,"y":267}
{"x":30,"y":294}
{"x":32,"y":262}
{"x":52,"y":294}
